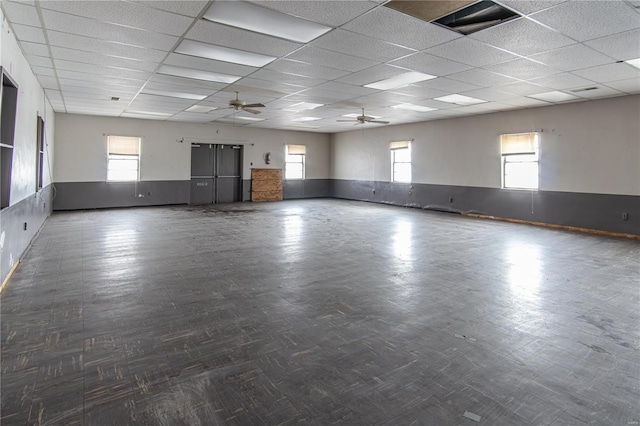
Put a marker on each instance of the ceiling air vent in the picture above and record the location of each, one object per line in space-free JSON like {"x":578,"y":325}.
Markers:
{"x":476,"y":17}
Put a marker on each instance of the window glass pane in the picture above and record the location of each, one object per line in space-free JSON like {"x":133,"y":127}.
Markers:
{"x":122,"y":167}
{"x":402,"y":172}
{"x":521,"y":175}
{"x":293,"y":158}
{"x":402,"y":155}
{"x":294,"y":171}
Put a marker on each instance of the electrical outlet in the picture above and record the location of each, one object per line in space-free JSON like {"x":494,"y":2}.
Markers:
{"x":625,"y":216}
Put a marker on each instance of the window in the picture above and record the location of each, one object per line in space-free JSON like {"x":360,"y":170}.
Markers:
{"x":39,"y":153}
{"x":520,"y":160}
{"x":9,"y":100}
{"x":294,"y":162}
{"x":124,"y":158}
{"x":401,"y":161}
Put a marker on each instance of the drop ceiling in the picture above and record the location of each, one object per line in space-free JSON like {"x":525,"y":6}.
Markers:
{"x":183,"y":60}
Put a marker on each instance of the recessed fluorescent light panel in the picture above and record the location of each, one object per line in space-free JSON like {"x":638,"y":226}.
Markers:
{"x":218,"y":53}
{"x":634,"y":62}
{"x":197,"y":74}
{"x":400,"y":81}
{"x":265,"y":21}
{"x":412,"y":107}
{"x":201,"y":109}
{"x":307,"y":119}
{"x":555,"y":96}
{"x":476,"y":17}
{"x":156,"y":114}
{"x":173,"y":94}
{"x":240,"y":117}
{"x":301,"y":106}
{"x":460,"y":100}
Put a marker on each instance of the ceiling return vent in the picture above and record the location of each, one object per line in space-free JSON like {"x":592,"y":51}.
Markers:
{"x":476,"y":17}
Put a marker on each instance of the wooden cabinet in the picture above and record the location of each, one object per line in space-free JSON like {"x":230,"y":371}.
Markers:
{"x":266,"y":184}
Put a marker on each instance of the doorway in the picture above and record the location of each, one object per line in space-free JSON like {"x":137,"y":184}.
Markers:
{"x":216,"y":173}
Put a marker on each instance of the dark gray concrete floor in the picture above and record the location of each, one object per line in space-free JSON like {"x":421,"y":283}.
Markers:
{"x":319,"y":312}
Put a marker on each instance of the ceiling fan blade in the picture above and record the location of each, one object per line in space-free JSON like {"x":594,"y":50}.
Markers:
{"x":252,"y":111}
{"x":378,"y":122}
{"x":254,"y":106}
{"x":344,"y":121}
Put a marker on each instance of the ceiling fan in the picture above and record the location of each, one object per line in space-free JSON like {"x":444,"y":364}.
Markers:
{"x":362,"y":119}
{"x":239,"y":105}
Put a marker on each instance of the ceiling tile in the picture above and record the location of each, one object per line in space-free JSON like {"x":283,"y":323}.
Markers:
{"x":39,"y":61}
{"x":35,"y":49}
{"x":208,"y":65}
{"x":471,"y":52}
{"x":482,"y":78}
{"x":631,"y":86}
{"x":522,"y":69}
{"x":448,"y":85}
{"x":522,"y":37}
{"x":357,"y":45}
{"x":101,"y":70}
{"x":269,"y":85}
{"x":97,"y":59}
{"x":188,"y":8}
{"x":522,"y":88}
{"x":430,"y":64}
{"x":490,"y":94}
{"x":573,"y":57}
{"x":561,"y":81}
{"x":392,"y":26}
{"x":586,"y":20}
{"x":371,"y":75}
{"x":526,"y":7}
{"x":265,"y":74}
{"x":524,"y":102}
{"x":48,"y":82}
{"x":124,"y":14}
{"x":305,"y":69}
{"x":88,"y":44}
{"x":43,"y":71}
{"x":352,"y":89}
{"x":222,"y":35}
{"x":334,"y":13}
{"x":21,"y":13}
{"x":95,"y":29}
{"x":622,"y":46}
{"x":186,"y":82}
{"x":315,"y":55}
{"x":31,"y":34}
{"x":611,"y":72}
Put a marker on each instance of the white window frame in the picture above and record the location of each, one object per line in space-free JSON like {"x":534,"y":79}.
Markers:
{"x":131,"y":155}
{"x":396,"y":148}
{"x":525,"y":153}
{"x":295,"y":154}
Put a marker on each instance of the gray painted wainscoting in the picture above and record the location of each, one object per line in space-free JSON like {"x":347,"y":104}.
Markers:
{"x":14,"y":238}
{"x":592,"y":211}
{"x":96,"y":195}
{"x":294,"y":189}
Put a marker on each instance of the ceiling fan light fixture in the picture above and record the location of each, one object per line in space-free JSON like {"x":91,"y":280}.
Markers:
{"x":224,"y":54}
{"x":460,"y":100}
{"x":197,"y":74}
{"x":258,"y":19}
{"x":412,"y":107}
{"x":400,"y":80}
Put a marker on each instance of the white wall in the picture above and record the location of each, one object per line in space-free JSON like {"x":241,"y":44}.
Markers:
{"x":31,"y":103}
{"x":81,"y":148}
{"x":590,"y":147}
